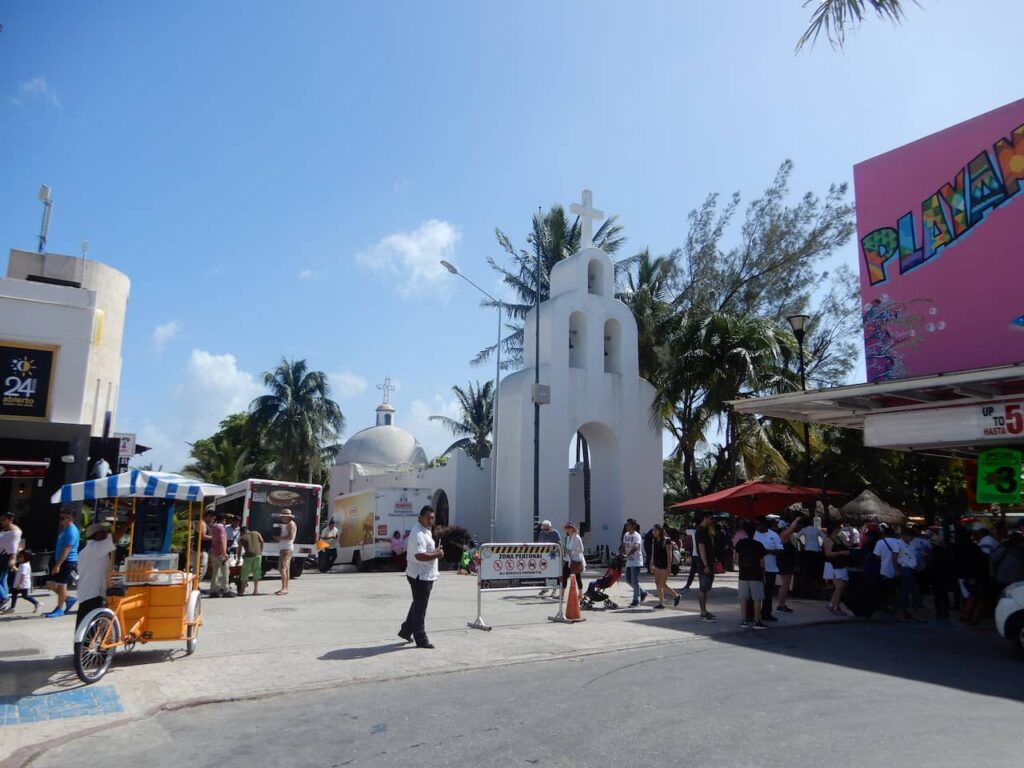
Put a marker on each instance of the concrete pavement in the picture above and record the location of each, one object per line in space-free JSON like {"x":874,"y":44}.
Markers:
{"x":332,"y":629}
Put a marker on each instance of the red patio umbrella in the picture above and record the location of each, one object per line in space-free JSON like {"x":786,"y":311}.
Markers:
{"x":755,"y":498}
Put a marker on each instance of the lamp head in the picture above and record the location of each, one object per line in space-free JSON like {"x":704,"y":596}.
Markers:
{"x":449,"y":266}
{"x":799,"y":324}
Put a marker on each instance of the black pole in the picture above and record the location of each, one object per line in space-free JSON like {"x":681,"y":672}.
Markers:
{"x":536,"y":380}
{"x":807,"y":427}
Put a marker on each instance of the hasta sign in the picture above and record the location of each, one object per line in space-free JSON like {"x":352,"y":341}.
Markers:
{"x":25,"y":376}
{"x":999,"y":476}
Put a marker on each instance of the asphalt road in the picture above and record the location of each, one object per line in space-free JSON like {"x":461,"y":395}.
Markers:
{"x":855,"y":694}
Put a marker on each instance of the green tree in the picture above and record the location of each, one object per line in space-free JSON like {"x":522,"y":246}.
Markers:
{"x":300,"y":422}
{"x":552,"y":237}
{"x":475,"y":423}
{"x":233,"y":453}
{"x":834,"y":17}
{"x":648,"y":294}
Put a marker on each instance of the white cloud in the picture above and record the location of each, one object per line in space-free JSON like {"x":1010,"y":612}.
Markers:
{"x":413,"y":258}
{"x":345,"y":384}
{"x":307,"y":274}
{"x":402,"y":183}
{"x":211,"y":387}
{"x":431,"y":434}
{"x":165,"y":332}
{"x":37,"y":88}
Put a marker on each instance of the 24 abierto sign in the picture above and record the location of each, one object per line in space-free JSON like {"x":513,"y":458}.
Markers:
{"x":999,"y":476}
{"x":26,"y":373}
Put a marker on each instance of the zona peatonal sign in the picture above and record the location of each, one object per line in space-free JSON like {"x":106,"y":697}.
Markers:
{"x":26,"y":375}
{"x":506,"y":566}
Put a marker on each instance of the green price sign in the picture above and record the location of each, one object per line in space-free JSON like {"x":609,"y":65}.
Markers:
{"x":999,"y":476}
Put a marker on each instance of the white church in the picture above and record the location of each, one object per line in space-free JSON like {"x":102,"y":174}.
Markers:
{"x":588,"y":366}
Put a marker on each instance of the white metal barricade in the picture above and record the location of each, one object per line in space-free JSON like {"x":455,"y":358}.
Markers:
{"x":508,"y":567}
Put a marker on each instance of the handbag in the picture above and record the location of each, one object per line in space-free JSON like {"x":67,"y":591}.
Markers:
{"x":576,"y":566}
{"x":719,"y":568}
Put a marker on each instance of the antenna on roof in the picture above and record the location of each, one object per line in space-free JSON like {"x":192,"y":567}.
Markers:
{"x":44,"y":197}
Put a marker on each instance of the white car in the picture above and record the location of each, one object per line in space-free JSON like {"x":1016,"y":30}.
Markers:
{"x":1010,"y":615}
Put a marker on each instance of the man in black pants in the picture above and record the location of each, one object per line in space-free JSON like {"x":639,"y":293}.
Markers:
{"x":694,"y":558}
{"x":421,"y":572}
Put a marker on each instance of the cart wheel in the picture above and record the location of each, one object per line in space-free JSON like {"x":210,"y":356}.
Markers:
{"x":194,"y":614}
{"x":92,"y":660}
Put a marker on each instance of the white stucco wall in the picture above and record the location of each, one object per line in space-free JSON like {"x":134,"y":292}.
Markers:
{"x":467,"y":486}
{"x":108,"y":288}
{"x":611,"y":408}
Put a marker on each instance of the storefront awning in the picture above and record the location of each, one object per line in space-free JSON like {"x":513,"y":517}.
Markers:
{"x":20,"y":469}
{"x":955,"y":414}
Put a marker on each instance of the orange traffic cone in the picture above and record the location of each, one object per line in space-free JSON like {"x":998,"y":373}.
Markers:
{"x":572,"y":602}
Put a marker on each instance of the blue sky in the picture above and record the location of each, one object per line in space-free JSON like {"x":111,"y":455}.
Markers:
{"x":282,"y":178}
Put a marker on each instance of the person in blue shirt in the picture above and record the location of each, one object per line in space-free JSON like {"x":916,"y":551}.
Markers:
{"x":63,"y":565}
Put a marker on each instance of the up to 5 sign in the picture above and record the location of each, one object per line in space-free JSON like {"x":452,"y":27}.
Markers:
{"x":1005,"y":419}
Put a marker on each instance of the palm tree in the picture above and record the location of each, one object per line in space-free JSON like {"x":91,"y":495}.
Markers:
{"x":711,"y":358}
{"x":834,"y":16}
{"x":552,"y":238}
{"x":648,"y":296}
{"x":219,"y":460}
{"x":300,"y":423}
{"x":476,"y":422}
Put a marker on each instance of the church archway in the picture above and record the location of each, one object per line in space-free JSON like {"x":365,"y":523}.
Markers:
{"x":595,"y":277}
{"x":595,"y":494}
{"x":440,"y":506}
{"x":577,"y":340}
{"x":612,"y":347}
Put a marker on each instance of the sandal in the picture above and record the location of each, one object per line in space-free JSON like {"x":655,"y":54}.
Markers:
{"x":281,"y":592}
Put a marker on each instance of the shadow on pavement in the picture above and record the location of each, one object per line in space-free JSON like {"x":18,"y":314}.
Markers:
{"x":24,"y":677}
{"x":344,"y":654}
{"x":970,"y":659}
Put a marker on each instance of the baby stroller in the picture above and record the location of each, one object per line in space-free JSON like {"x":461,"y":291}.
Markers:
{"x":594,"y":592}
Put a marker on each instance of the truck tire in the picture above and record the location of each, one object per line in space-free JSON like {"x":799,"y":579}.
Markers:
{"x":295,"y":568}
{"x":357,"y":562}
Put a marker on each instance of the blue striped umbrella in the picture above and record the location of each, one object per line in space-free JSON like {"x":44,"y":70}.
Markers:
{"x":138,"y":483}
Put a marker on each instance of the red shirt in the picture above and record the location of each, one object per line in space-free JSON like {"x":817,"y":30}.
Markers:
{"x":218,"y":540}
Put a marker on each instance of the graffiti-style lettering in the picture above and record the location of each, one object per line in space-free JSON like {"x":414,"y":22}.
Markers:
{"x":879,"y":246}
{"x":951,"y":211}
{"x":953,"y":194}
{"x":986,"y":188}
{"x":910,"y":254}
{"x":1010,"y":156}
{"x":934,"y":228}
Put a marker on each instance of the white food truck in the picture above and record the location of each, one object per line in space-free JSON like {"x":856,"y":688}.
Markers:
{"x":259,"y":503}
{"x":368,"y":521}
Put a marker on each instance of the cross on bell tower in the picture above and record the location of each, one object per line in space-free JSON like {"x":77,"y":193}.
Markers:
{"x":387,"y":388}
{"x":588,"y":215}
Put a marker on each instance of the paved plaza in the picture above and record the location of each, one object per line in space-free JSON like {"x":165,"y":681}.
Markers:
{"x":332,"y":630}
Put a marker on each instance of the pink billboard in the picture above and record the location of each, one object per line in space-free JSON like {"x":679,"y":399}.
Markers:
{"x":940,"y":226}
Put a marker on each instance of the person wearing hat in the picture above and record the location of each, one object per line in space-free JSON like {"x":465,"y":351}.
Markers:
{"x":574,"y":561}
{"x":548,"y":535}
{"x":286,"y":547}
{"x":94,"y":565}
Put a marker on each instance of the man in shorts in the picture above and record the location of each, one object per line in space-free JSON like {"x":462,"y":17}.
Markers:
{"x":251,"y":544}
{"x":705,"y":538}
{"x":750,"y":553}
{"x":64,"y":565}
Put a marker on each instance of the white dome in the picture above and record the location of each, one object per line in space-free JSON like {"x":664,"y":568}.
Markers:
{"x":382,"y":446}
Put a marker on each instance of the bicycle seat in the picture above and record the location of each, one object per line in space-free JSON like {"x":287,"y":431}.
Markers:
{"x":118,"y":590}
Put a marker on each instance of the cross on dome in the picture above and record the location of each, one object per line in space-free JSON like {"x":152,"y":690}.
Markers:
{"x":386,"y":387}
{"x":588,"y":216}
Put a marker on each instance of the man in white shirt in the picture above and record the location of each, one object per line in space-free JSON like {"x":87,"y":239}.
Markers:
{"x":421,"y":572}
{"x":986,"y":541}
{"x":886,"y":551}
{"x":94,"y":566}
{"x":773,"y":546}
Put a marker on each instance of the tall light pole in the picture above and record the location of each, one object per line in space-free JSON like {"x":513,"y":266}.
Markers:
{"x":497,"y":384}
{"x":536,"y":379}
{"x":799,"y":325}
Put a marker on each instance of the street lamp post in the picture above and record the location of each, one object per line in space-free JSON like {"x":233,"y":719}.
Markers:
{"x":799,"y":325}
{"x":497,"y":384}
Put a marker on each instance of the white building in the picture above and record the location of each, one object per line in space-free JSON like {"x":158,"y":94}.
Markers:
{"x":588,"y":358}
{"x":61,"y":329}
{"x":387,"y":456}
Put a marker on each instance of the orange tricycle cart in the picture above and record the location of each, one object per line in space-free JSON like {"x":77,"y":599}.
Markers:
{"x":149,"y":598}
